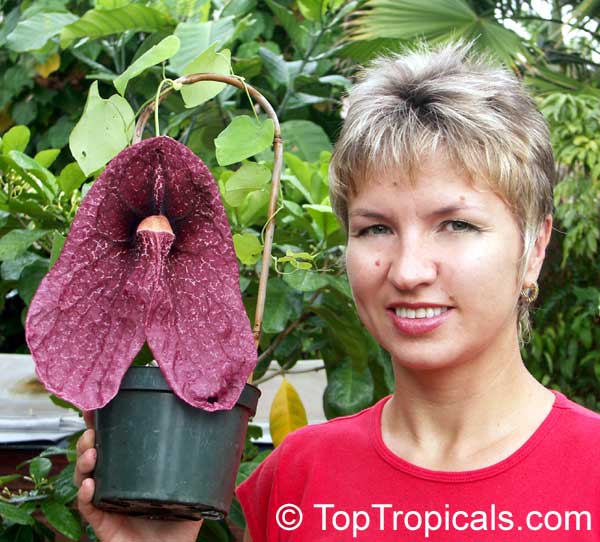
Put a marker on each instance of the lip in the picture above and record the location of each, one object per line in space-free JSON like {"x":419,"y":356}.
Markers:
{"x":418,"y":326}
{"x":422,"y":305}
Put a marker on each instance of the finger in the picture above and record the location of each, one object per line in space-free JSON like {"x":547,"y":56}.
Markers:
{"x":85,"y":441}
{"x":84,"y":502}
{"x":88,"y":416}
{"x":84,"y":466}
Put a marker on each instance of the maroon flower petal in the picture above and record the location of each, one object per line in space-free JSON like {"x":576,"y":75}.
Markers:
{"x":85,"y":323}
{"x":113,"y":288}
{"x":197,"y":328}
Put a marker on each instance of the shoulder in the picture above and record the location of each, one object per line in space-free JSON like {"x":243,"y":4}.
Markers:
{"x":578,"y":422}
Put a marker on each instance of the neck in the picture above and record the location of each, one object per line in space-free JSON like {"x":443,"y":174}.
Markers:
{"x":456,"y":409}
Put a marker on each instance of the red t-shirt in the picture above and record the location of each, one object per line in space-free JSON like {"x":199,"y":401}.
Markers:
{"x":349,"y":487}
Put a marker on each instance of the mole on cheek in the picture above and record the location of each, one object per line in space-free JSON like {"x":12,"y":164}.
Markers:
{"x":377,"y":263}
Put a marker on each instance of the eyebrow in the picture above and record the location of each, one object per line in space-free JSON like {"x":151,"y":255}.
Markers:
{"x":442,"y":211}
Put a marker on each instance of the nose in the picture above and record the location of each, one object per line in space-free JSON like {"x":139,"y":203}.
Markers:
{"x":411,"y":264}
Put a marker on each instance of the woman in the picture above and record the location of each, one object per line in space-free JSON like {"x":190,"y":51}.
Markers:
{"x":442,"y":177}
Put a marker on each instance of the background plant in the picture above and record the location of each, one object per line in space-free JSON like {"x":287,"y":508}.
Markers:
{"x":113,"y":55}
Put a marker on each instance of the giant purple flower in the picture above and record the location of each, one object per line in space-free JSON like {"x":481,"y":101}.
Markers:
{"x":149,"y":258}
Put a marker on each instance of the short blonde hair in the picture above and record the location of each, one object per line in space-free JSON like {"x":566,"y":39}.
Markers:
{"x":408,"y":105}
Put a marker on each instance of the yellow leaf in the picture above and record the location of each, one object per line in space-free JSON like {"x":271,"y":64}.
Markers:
{"x":50,"y":66}
{"x":287,"y":412}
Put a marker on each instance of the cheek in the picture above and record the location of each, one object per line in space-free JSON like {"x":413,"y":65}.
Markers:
{"x":486,"y":272}
{"x":364,"y":271}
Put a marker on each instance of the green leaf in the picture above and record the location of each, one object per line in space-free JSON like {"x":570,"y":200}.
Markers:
{"x":157,"y":54}
{"x":434,"y":20}
{"x":8,"y":479}
{"x":33,"y":33}
{"x":105,"y":128}
{"x":15,"y":242}
{"x":14,"y":514}
{"x":71,"y":178}
{"x":208,"y":62}
{"x":111,"y":4}
{"x":306,"y":281}
{"x":247,"y":248}
{"x":196,"y":37}
{"x":305,"y":139}
{"x":57,"y":245}
{"x":296,"y":30}
{"x":244,"y":137}
{"x":251,"y":176}
{"x":278,"y":309}
{"x":275,"y":65}
{"x":40,"y":468}
{"x":30,"y":207}
{"x":46,"y":157}
{"x":11,"y":269}
{"x":30,"y":279}
{"x":15,"y":139}
{"x":98,"y":23}
{"x":348,"y":391}
{"x":254,"y":207}
{"x":62,"y":519}
{"x":312,"y":9}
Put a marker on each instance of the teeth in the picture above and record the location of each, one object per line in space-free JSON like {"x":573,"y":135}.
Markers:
{"x":428,"y":312}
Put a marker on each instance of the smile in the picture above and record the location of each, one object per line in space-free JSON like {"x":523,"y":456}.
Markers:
{"x":419,"y":321}
{"x":428,"y":312}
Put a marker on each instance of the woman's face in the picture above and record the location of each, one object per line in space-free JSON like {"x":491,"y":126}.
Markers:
{"x":433,"y":266}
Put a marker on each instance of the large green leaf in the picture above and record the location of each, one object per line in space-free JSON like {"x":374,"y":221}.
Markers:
{"x":62,"y":519}
{"x":71,"y":178}
{"x":434,"y":20}
{"x":247,"y":248}
{"x":306,"y":280}
{"x":305,"y":139}
{"x":348,"y":391}
{"x":16,"y":242}
{"x":33,"y":33}
{"x":197,"y":37}
{"x":251,"y":176}
{"x":40,"y":468}
{"x":279,"y":308}
{"x":244,"y":137}
{"x":105,"y":128}
{"x":208,"y":62}
{"x":14,"y":514}
{"x":155,"y":55}
{"x":16,"y":139}
{"x":104,"y":22}
{"x":362,"y":51}
{"x":30,"y":279}
{"x":296,"y":30}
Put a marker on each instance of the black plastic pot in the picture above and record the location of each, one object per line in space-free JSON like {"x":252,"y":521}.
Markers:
{"x":159,"y":457}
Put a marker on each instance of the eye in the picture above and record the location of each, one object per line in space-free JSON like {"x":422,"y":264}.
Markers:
{"x":458,"y":226}
{"x":375,"y":229}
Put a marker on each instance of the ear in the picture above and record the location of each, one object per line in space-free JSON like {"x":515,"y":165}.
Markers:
{"x":538,"y":252}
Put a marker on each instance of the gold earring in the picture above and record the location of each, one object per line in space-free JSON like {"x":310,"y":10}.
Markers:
{"x":530,"y":292}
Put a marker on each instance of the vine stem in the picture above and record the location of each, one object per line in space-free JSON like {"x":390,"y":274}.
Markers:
{"x":157,"y":100}
{"x":287,"y":371}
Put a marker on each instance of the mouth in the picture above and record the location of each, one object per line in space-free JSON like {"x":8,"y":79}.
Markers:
{"x":418,"y":321}
{"x":422,"y":312}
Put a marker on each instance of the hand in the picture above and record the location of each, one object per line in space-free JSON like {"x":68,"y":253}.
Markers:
{"x":111,"y":527}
